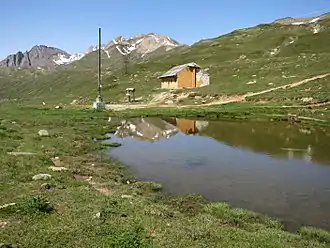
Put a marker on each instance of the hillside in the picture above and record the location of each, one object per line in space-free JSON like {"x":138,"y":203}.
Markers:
{"x":245,"y":60}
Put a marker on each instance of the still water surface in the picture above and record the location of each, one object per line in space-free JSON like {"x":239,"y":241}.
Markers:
{"x":279,"y":169}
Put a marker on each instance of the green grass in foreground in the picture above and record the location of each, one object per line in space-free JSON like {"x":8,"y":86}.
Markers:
{"x":106,"y":211}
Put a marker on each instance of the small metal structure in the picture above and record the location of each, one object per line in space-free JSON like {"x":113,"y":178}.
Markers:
{"x":130,"y":93}
{"x":99,"y":103}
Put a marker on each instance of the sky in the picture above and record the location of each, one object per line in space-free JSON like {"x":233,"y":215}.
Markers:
{"x":72,"y":25}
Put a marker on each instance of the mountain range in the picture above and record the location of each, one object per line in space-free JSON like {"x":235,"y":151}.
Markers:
{"x":49,"y":57}
{"x":245,"y":60}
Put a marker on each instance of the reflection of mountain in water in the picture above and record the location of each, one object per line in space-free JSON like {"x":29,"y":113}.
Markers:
{"x":151,"y":128}
{"x":277,"y":139}
{"x":145,"y":129}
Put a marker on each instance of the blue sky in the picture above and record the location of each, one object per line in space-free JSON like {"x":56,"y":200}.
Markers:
{"x":72,"y":25}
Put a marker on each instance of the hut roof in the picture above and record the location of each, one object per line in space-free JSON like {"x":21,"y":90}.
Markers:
{"x":176,"y":69}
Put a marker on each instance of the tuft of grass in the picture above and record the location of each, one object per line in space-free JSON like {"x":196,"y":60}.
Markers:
{"x":315,"y":234}
{"x":37,"y":204}
{"x":133,"y":238}
{"x":240,"y":217}
{"x":111,"y":144}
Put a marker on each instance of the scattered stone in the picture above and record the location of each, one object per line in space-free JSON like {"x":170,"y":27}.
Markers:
{"x":41,"y":177}
{"x":193,"y":94}
{"x":58,"y":107}
{"x":128,"y":182}
{"x":307,"y":99}
{"x":169,"y":102}
{"x":127,"y":196}
{"x":7,"y":205}
{"x":198,"y":97}
{"x":43,"y":133}
{"x":56,"y":168}
{"x":97,"y":215}
{"x":46,"y":186}
{"x":3,"y":224}
{"x":22,"y":153}
{"x":74,"y":102}
{"x":252,"y":82}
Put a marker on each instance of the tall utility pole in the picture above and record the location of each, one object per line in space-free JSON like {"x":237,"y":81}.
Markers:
{"x":99,"y":66}
{"x":99,"y":104}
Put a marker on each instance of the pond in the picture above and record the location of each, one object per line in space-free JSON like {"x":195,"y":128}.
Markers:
{"x":275,"y":168}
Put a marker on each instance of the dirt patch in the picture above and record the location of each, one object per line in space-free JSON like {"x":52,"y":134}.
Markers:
{"x":57,"y":162}
{"x":97,"y":186}
{"x":81,"y":177}
{"x":100,"y":188}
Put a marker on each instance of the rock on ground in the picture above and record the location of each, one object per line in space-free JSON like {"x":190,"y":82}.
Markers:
{"x":55,"y":168}
{"x":41,"y":177}
{"x":22,"y":153}
{"x":7,"y":205}
{"x":43,"y":133}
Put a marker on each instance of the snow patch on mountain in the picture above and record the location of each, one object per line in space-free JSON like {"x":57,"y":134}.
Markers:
{"x":62,"y":59}
{"x":314,"y":20}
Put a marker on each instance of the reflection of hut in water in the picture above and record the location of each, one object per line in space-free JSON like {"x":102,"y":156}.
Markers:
{"x":186,"y":125}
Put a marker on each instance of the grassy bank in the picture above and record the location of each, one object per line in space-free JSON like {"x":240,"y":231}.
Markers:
{"x":95,"y":202}
{"x":240,"y":111}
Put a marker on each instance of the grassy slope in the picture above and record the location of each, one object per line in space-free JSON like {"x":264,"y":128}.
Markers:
{"x":234,"y":60}
{"x":63,"y":216}
{"x":318,"y":91}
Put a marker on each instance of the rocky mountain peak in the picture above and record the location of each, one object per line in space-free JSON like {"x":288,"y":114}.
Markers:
{"x":141,"y":44}
{"x":302,"y":20}
{"x":37,"y":56}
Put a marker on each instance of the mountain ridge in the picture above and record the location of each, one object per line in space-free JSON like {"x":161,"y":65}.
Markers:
{"x":141,"y":44}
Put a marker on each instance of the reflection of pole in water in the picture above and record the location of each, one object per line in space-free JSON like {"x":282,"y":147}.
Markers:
{"x":306,"y":153}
